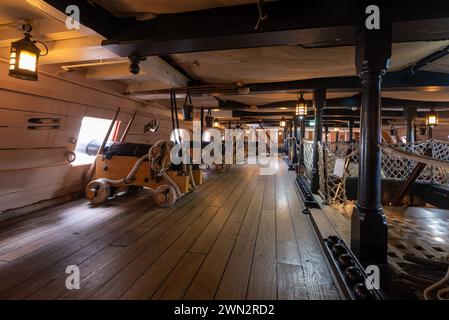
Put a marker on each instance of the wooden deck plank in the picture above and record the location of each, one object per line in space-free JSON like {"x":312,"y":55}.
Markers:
{"x":177,"y":283}
{"x":239,"y":236}
{"x":205,"y":283}
{"x":32,"y":264}
{"x":115,"y":277}
{"x":234,"y":283}
{"x":43,"y":258}
{"x":158,"y":269}
{"x":207,"y":238}
{"x":53,"y":272}
{"x":291,"y":282}
{"x":262,"y":283}
{"x":151,"y":280}
{"x":319,"y":282}
{"x":55,"y":288}
{"x":11,"y":220}
{"x":286,"y":246}
{"x":269,"y":197}
{"x":39,"y":234}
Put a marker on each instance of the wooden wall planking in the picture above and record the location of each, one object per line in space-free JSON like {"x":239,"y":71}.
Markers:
{"x":31,"y":158}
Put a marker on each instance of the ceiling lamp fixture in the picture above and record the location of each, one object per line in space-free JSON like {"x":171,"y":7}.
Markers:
{"x":24,"y":56}
{"x":282,"y":123}
{"x":432,"y":119}
{"x":216,"y":124}
{"x":301,"y":107}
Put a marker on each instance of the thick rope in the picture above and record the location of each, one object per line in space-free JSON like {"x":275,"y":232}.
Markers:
{"x":159,"y":158}
{"x":130,"y":177}
{"x":392,"y":151}
{"x":437,"y":285}
{"x":336,"y":155}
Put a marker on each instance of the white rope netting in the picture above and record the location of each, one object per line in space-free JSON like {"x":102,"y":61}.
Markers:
{"x":308,"y":158}
{"x":332,"y":186}
{"x":339,"y":161}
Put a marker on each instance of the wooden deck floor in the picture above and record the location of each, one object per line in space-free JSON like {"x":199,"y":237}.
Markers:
{"x":239,"y":236}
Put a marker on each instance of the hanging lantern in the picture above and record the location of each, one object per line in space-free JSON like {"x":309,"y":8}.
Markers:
{"x":282,"y":124}
{"x":301,"y":107}
{"x":187,"y":108}
{"x":24,"y":57}
{"x":216,"y":124}
{"x":187,"y":112}
{"x":432,"y":119}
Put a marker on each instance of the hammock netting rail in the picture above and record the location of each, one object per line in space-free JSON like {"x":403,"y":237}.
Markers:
{"x":308,"y":159}
{"x":340,"y":161}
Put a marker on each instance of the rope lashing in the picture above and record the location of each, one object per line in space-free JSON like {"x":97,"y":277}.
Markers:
{"x":159,"y":159}
{"x":336,"y":155}
{"x":160,"y":162}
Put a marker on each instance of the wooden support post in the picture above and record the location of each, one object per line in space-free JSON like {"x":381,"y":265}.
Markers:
{"x":302,"y":136}
{"x":295,"y":141}
{"x":319,"y":96}
{"x":369,"y":235}
{"x":285,"y":148}
{"x":326,"y":134}
{"x":410,"y":115}
{"x":202,"y":125}
{"x":351,"y":129}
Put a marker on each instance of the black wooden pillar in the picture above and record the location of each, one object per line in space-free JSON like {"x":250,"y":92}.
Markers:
{"x":410,"y":115}
{"x":285,"y":139}
{"x":302,"y":135}
{"x":295,"y":140}
{"x":319,"y":96}
{"x":202,"y":124}
{"x":351,"y":129}
{"x":369,"y":237}
{"x":326,"y":134}
{"x":337,"y":135}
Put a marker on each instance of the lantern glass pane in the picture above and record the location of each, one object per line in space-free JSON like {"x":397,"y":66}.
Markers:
{"x":300,"y":109}
{"x":27,"y":60}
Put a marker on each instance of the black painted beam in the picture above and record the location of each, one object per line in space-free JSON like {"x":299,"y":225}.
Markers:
{"x":310,"y":24}
{"x":344,"y":114}
{"x":393,"y":81}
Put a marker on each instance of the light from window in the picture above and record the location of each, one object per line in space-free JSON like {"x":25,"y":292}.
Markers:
{"x":92,"y":133}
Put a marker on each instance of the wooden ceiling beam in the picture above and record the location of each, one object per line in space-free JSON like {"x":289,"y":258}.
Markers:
{"x":310,"y":24}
